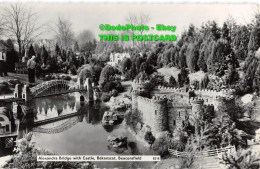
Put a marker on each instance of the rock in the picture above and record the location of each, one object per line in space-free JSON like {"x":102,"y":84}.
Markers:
{"x":117,"y":141}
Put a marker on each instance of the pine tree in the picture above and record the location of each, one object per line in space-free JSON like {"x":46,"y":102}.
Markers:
{"x":57,"y":50}
{"x":44,"y":55}
{"x":76,"y":47}
{"x":31,"y":51}
{"x":172,"y":82}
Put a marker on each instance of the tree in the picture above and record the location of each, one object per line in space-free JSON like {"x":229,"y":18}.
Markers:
{"x":107,"y":74}
{"x":76,"y":47}
{"x":64,"y":33}
{"x":172,"y":82}
{"x":254,"y":40}
{"x":149,"y":137}
{"x":11,"y":56}
{"x":44,"y":55}
{"x":242,"y":159}
{"x":138,"y":19}
{"x":192,"y":58}
{"x":125,"y":65}
{"x":183,"y":77}
{"x":85,"y":37}
{"x":21,"y":24}
{"x":57,"y":50}
{"x":31,"y":51}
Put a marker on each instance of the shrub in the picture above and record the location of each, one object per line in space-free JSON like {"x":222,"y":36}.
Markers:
{"x":105,"y":97}
{"x":162,"y":144}
{"x":67,"y":78}
{"x":149,"y":137}
{"x":26,"y":157}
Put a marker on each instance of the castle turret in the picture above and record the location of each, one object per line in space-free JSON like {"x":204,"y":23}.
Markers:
{"x":160,"y":123}
{"x":197,"y":106}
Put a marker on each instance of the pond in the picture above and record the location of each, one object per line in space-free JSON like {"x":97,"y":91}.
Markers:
{"x":82,"y":134}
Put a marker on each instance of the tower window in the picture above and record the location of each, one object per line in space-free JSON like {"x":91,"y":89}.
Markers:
{"x":179,"y":114}
{"x":155,"y":112}
{"x":174,"y":122}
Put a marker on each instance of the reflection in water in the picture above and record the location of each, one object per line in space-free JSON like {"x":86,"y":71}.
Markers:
{"x":83,"y":136}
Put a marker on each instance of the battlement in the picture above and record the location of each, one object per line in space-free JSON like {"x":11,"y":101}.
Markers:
{"x":170,"y":89}
{"x":205,"y":92}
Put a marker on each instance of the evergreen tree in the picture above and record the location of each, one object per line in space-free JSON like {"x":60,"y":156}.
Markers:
{"x":57,"y":50}
{"x":172,"y":82}
{"x":44,"y":55}
{"x":31,"y":52}
{"x":192,"y":58}
{"x":183,"y":78}
{"x":76,"y":47}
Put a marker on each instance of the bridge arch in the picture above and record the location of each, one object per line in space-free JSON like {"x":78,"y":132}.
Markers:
{"x":50,"y":87}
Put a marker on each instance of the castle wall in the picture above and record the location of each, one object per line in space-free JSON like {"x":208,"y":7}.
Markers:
{"x":154,"y":113}
{"x":170,"y":107}
{"x":177,"y":116}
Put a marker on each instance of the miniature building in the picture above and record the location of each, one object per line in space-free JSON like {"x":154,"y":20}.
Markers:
{"x":170,"y":108}
{"x":21,"y":68}
{"x":7,"y":122}
{"x":116,"y":58}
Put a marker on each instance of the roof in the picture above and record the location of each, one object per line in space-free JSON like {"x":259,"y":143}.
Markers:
{"x":6,"y":111}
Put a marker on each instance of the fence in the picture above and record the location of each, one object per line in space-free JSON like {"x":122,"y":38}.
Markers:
{"x":213,"y":157}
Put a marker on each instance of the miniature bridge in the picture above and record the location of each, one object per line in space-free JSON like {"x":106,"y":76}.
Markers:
{"x":54,"y":87}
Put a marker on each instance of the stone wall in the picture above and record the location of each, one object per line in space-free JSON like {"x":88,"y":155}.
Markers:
{"x":170,"y":107}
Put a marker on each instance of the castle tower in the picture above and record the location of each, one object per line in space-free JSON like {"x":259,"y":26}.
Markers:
{"x":197,"y":106}
{"x":18,"y":91}
{"x":160,"y":123}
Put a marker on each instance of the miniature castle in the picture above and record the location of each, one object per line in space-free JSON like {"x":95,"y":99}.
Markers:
{"x":168,"y":108}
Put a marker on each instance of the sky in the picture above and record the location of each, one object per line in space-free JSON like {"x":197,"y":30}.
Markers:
{"x":90,"y":16}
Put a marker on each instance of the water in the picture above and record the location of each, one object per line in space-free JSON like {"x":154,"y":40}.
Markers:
{"x":83,"y":134}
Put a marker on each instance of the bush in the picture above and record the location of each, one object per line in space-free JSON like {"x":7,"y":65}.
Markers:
{"x":109,"y":86}
{"x":162,"y":144}
{"x":26,"y":157}
{"x":149,"y":137}
{"x":67,"y":78}
{"x":105,"y":97}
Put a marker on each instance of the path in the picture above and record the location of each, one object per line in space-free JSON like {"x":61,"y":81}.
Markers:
{"x":21,"y":77}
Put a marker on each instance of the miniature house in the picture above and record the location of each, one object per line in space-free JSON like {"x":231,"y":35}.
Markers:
{"x":7,"y":124}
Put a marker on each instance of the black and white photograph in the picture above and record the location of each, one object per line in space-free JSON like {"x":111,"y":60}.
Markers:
{"x":87,"y":85}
